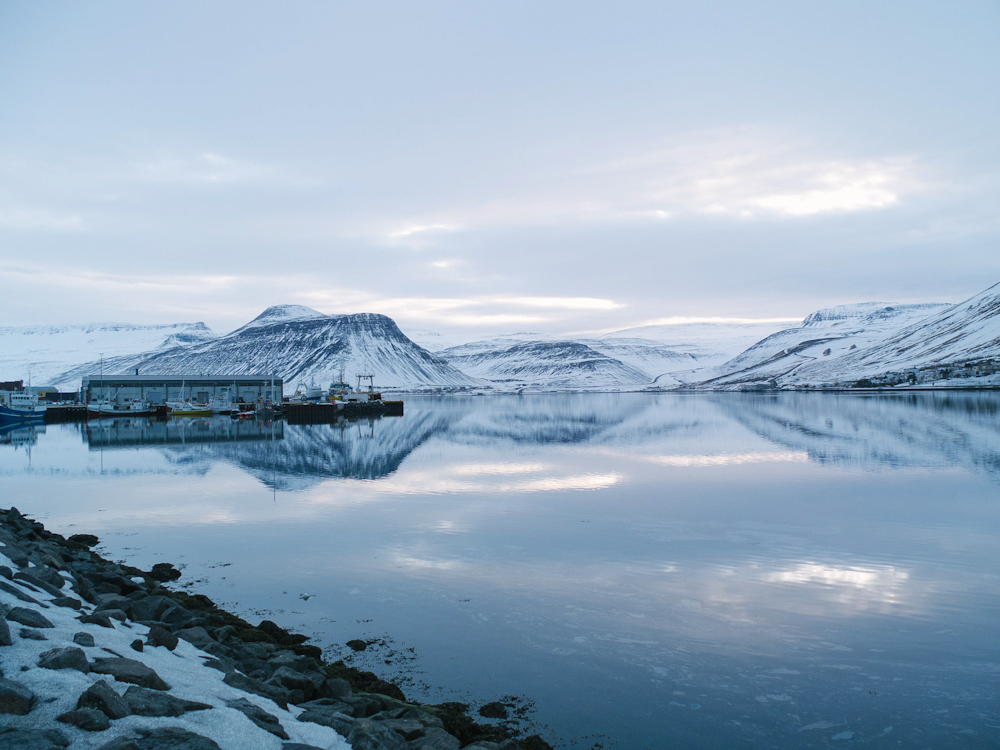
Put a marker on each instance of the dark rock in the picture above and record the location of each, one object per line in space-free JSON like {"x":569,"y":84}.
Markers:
{"x":389,"y":713}
{"x":65,"y":658}
{"x":83,"y":588}
{"x":142,"y":702}
{"x":88,"y":719}
{"x":164,"y":572}
{"x":150,"y":608}
{"x":32,"y":635}
{"x":32,"y":739}
{"x":408,"y":729}
{"x":28,"y":617}
{"x":298,"y":746}
{"x":114,"y":601}
{"x":250,"y":685}
{"x":221,"y":663}
{"x":83,"y":639}
{"x":107,"y":588}
{"x":160,"y":636}
{"x":84,"y":540}
{"x":436,"y":739}
{"x":67,"y":601}
{"x":335,"y":687}
{"x":122,"y":743}
{"x":494,"y":710}
{"x":102,"y":697}
{"x":19,"y":594}
{"x":15,"y":698}
{"x":50,"y":576}
{"x":136,"y":645}
{"x":371,"y":735}
{"x":6,"y":572}
{"x":289,"y":679}
{"x":5,"y":639}
{"x":339,"y":722}
{"x":37,"y":583}
{"x":175,"y":738}
{"x":534,"y":742}
{"x":424,"y":717}
{"x":363,"y":706}
{"x":293,"y":661}
{"x":227,"y":634}
{"x":177,"y":617}
{"x":259,"y":716}
{"x":97,"y":618}
{"x":196,"y":636}
{"x":131,"y":671}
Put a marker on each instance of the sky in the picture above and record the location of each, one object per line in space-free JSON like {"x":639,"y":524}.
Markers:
{"x":491,"y":167}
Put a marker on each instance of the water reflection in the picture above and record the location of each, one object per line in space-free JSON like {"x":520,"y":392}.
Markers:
{"x":866,"y":432}
{"x":720,"y":570}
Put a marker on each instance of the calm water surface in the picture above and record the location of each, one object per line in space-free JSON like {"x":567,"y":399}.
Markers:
{"x":654,"y":571}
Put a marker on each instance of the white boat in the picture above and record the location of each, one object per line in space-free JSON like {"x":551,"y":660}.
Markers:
{"x":17,"y":406}
{"x":108,"y":408}
{"x":223,"y":403}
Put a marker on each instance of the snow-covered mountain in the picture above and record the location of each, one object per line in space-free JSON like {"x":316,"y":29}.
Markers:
{"x":48,"y":351}
{"x":967,"y":331}
{"x":815,"y":351}
{"x":836,"y":345}
{"x":301,"y":345}
{"x":542,"y":364}
{"x":708,"y":343}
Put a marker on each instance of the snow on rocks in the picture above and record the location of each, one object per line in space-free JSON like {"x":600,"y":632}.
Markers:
{"x":127,"y":664}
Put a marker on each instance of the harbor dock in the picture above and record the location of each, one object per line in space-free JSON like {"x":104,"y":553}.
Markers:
{"x":328,"y":413}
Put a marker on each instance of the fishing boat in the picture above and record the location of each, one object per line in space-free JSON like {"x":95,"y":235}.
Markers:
{"x":16,"y":406}
{"x":187,"y":409}
{"x":111,"y":408}
{"x":223,"y":403}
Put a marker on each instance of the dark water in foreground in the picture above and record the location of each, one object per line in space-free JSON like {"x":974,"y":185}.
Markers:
{"x":795,"y":570}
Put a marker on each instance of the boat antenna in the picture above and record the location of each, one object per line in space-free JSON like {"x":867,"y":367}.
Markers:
{"x":102,"y":386}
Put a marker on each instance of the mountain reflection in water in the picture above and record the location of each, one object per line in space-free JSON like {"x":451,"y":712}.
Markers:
{"x":705,"y":570}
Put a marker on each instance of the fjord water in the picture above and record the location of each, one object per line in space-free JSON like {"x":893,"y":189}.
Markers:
{"x":654,"y":571}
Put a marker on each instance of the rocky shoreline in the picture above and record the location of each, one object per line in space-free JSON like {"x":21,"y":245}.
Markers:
{"x":95,"y":654}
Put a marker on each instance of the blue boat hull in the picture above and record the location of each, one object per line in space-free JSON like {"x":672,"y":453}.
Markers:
{"x":19,"y":415}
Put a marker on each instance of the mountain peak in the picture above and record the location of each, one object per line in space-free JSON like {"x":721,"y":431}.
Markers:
{"x":284,"y":314}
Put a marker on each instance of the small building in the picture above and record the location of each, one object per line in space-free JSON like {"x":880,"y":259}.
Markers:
{"x":158,"y":389}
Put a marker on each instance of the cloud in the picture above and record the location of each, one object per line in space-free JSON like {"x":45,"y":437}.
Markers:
{"x":23,"y":217}
{"x":720,"y":174}
{"x":211,"y":168}
{"x":484,"y":310}
{"x":685,"y":320}
{"x":415,"y":229}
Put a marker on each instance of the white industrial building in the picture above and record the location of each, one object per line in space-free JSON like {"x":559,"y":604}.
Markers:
{"x":159,"y":389}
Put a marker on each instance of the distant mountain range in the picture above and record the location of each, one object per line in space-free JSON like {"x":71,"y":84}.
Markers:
{"x":303,"y":346}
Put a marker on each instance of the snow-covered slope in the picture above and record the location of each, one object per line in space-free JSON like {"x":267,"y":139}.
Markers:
{"x":48,"y":351}
{"x":817,"y":350}
{"x":969,"y":330}
{"x":303,"y":346}
{"x":709,"y":343}
{"x":651,"y":358}
{"x":542,"y":364}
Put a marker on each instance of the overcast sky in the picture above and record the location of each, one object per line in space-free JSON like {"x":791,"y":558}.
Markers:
{"x":504,"y":166}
